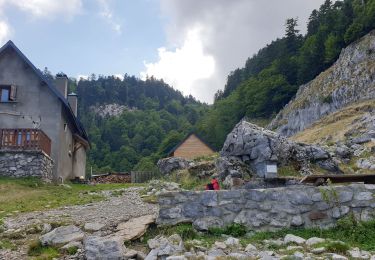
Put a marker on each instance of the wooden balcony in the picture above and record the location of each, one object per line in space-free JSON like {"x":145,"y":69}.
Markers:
{"x":25,"y":140}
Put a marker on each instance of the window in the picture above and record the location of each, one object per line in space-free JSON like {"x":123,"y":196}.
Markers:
{"x":19,"y":138}
{"x":7,"y":93}
{"x":4,"y":94}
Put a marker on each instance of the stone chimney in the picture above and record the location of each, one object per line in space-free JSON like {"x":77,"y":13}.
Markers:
{"x":73,"y":102}
{"x":62,"y":84}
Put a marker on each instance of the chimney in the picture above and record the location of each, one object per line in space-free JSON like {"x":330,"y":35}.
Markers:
{"x":73,"y":102}
{"x":62,"y":84}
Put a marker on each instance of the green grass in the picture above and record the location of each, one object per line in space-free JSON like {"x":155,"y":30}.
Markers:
{"x":37,"y":251}
{"x":186,"y":231}
{"x":7,"y":244}
{"x":235,"y":230}
{"x":286,"y":171}
{"x":337,"y":247}
{"x":30,"y":194}
{"x":72,"y":250}
{"x":206,"y":158}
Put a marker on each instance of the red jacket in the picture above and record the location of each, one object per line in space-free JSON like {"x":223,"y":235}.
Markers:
{"x":215,"y":183}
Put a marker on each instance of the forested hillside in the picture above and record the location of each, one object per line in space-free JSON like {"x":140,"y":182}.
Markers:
{"x":155,"y":117}
{"x":271,"y":78}
{"x":132,"y":123}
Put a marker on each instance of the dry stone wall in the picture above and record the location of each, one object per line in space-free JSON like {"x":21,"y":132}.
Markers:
{"x":268,"y":209}
{"x":26,"y":164}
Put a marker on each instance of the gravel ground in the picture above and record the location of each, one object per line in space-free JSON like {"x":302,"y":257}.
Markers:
{"x":110,"y":212}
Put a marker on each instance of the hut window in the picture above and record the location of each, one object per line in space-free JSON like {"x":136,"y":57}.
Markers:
{"x":7,"y":93}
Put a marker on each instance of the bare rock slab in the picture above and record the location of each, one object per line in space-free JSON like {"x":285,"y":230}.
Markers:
{"x":92,"y":227}
{"x":62,"y":235}
{"x":134,"y":228}
{"x":104,"y":248}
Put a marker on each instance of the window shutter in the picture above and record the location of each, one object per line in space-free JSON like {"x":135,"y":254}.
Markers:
{"x":13,"y":92}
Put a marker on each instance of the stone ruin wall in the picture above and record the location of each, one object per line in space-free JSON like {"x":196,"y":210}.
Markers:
{"x":268,"y":209}
{"x":20,"y":164}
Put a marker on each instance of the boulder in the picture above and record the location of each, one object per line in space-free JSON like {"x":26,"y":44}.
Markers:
{"x":231,"y":169}
{"x":232,"y":242}
{"x":62,"y":235}
{"x":259,"y":148}
{"x":163,"y":247}
{"x":104,"y":248}
{"x":92,"y":227}
{"x":289,"y":238}
{"x":134,"y":228}
{"x":168,"y":165}
{"x":203,"y":224}
{"x":314,"y":240}
{"x":367,"y":164}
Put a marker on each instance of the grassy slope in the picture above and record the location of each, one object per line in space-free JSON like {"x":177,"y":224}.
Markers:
{"x":25,"y":195}
{"x":335,"y":125}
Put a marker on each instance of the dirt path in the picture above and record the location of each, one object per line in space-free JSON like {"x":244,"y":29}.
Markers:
{"x":115,"y":209}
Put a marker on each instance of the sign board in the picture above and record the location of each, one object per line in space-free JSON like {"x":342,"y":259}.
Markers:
{"x":272,"y":168}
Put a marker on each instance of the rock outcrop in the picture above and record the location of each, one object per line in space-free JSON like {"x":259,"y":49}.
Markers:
{"x":168,"y":165}
{"x":349,"y":80}
{"x":259,"y":148}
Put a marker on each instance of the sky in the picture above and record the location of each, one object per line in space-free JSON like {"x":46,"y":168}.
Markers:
{"x":191,"y":44}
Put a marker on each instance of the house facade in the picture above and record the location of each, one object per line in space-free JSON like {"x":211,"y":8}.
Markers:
{"x":192,"y":146}
{"x":36,"y":114}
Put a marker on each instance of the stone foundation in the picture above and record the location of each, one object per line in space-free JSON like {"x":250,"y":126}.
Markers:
{"x":268,"y":209}
{"x":20,"y":164}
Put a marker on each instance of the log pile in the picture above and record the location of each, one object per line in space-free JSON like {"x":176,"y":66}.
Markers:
{"x":111,"y":178}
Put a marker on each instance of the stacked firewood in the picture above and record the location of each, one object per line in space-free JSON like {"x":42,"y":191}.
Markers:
{"x":111,"y":178}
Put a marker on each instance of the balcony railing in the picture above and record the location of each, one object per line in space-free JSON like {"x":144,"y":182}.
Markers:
{"x":25,"y":139}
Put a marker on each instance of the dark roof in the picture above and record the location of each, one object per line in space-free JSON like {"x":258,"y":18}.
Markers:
{"x":186,"y":137}
{"x":72,"y":118}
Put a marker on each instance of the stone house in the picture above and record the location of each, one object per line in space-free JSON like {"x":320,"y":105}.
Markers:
{"x":37,"y":116}
{"x":192,"y":146}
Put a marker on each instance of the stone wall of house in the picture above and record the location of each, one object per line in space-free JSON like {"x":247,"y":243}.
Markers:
{"x":26,"y":164}
{"x":268,"y":209}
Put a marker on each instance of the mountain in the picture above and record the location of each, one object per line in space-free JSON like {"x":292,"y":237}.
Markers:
{"x":131,"y":122}
{"x":349,"y":80}
{"x":272,"y":77}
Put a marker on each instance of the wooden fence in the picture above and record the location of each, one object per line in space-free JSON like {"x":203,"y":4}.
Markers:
{"x":141,"y":177}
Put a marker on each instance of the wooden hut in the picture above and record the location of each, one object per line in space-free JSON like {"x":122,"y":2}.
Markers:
{"x":192,"y":146}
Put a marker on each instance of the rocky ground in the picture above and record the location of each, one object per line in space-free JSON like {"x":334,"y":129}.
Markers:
{"x":290,"y":247}
{"x":94,"y":221}
{"x":107,"y":229}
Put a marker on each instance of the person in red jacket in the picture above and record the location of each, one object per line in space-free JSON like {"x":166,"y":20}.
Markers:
{"x":215,"y":184}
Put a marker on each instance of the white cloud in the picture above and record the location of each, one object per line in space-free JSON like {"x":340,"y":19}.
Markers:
{"x":82,"y":77}
{"x":184,"y":66}
{"x":48,"y":8}
{"x":5,"y":32}
{"x":230,"y":32}
{"x":107,"y":14}
{"x":119,"y":76}
{"x":42,"y":9}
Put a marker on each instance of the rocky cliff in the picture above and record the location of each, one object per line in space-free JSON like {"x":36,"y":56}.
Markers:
{"x":349,"y":80}
{"x":258,"y":148}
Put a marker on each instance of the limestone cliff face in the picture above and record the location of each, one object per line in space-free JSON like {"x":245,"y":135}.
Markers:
{"x":350,"y":79}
